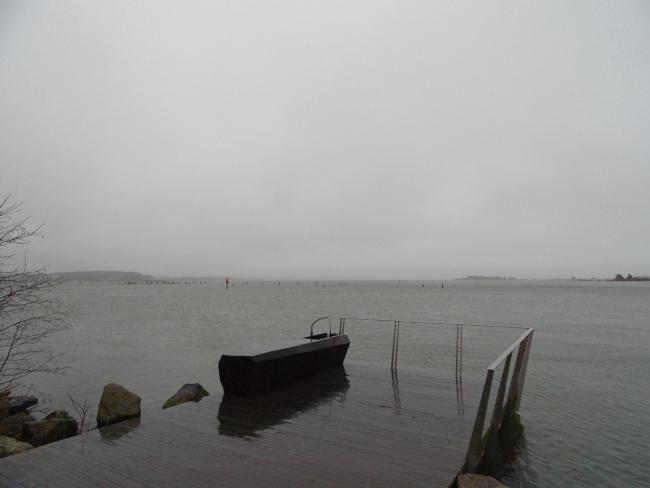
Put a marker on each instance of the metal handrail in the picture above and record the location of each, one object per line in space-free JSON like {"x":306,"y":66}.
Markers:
{"x":311,"y":329}
{"x":501,"y":410}
{"x":416,"y":322}
{"x":495,"y":364}
{"x":503,"y":406}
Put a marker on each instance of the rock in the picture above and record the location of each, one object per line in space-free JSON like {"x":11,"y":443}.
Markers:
{"x":9,"y":446}
{"x":21,"y":403}
{"x":58,"y":414}
{"x":48,"y":430}
{"x":188,"y":392}
{"x":4,"y":408}
{"x":117,"y":404}
{"x":478,"y":481}
{"x":13,"y":426}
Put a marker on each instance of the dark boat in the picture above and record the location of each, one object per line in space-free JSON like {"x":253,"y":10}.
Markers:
{"x":247,"y":375}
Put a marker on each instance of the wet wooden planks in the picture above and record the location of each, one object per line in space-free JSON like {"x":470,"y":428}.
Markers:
{"x":362,"y":428}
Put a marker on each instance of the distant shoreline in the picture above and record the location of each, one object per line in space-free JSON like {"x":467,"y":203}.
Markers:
{"x":481,"y":277}
{"x":102,"y":276}
{"x":134,"y":276}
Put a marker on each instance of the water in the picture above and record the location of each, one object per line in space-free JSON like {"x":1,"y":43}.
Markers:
{"x":586,"y":404}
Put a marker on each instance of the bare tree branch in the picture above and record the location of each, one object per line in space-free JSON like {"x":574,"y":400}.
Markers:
{"x":29,"y":312}
{"x":82,"y":413}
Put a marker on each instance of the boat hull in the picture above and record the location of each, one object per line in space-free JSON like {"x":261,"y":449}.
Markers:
{"x":253,"y":375}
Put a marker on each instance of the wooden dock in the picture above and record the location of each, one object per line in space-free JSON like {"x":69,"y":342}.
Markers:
{"x":368,"y":427}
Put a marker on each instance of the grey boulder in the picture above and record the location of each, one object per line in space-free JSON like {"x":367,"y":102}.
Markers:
{"x":12,"y":426}
{"x":187,"y":393}
{"x":21,"y":403}
{"x":9,"y":446}
{"x":478,"y":481}
{"x":49,"y":430}
{"x":58,"y":414}
{"x":117,"y":404}
{"x":4,"y":407}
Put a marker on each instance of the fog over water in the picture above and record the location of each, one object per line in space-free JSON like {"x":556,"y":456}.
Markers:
{"x":335,"y":139}
{"x":586,"y":400}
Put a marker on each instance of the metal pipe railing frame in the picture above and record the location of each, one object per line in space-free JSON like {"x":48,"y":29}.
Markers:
{"x":523,"y":345}
{"x":502,"y":407}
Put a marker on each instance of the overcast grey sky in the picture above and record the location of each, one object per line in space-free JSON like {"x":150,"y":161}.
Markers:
{"x":330,"y":139}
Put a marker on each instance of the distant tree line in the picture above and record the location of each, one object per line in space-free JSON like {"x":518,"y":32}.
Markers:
{"x":629,"y":277}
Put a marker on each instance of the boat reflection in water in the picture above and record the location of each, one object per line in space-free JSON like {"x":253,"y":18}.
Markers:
{"x":247,"y":417}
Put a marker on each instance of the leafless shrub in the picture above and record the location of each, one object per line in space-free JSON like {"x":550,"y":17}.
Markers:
{"x":81,"y":410}
{"x":29,"y":314}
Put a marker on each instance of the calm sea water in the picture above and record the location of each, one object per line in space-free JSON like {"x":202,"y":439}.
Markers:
{"x":586,"y":405}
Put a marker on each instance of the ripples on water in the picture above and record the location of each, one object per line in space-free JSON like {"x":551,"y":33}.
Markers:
{"x":586,"y":406}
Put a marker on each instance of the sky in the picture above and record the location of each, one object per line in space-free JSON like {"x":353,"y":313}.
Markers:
{"x":330,"y":140}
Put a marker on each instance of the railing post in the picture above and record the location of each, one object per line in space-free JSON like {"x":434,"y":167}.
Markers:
{"x":459,"y":353}
{"x":522,"y":374}
{"x":459,"y":369}
{"x":460,"y":362}
{"x":392,"y":352}
{"x":498,"y":403}
{"x":456,"y":353}
{"x":473,"y":452}
{"x":514,"y":382}
{"x":393,"y":357}
{"x":397,"y":344}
